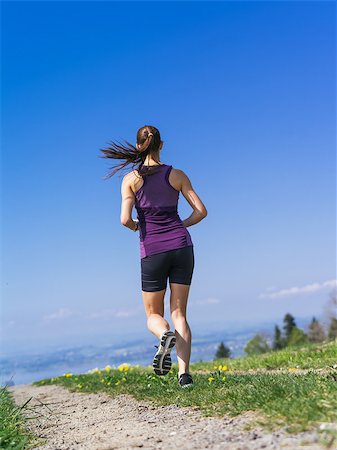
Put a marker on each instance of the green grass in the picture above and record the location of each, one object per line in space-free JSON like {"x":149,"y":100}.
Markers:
{"x":297,"y":401}
{"x":14,"y":434}
{"x":293,"y":399}
{"x":308,"y":356}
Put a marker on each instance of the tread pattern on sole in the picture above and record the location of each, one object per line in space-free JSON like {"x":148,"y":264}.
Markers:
{"x":162,"y":361}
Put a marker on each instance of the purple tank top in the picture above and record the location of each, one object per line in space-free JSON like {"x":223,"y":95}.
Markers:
{"x":160,"y":227}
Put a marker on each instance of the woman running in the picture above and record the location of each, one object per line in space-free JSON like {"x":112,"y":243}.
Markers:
{"x":166,"y":247}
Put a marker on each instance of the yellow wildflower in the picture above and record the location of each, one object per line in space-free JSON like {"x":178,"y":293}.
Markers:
{"x":102,"y":380}
{"x":222,"y":367}
{"x":215,"y":367}
{"x":118,"y":382}
{"x":210,"y":379}
{"x":68,"y":375}
{"x":223,"y":378}
{"x":109,"y":382}
{"x":124,"y":379}
{"x":123,"y":367}
{"x":107,"y":368}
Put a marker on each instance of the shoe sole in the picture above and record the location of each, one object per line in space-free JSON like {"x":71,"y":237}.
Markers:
{"x":162,"y":359}
{"x":186,"y":385}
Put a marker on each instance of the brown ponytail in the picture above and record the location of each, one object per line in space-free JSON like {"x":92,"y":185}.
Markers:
{"x":148,"y":143}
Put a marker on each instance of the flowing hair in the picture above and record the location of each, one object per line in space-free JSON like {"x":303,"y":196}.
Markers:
{"x":148,"y":140}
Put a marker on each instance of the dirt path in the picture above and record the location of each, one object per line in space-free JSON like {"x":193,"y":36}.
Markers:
{"x":75,"y":420}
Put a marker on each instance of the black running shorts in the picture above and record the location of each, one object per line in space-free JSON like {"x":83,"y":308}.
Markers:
{"x":177,"y":265}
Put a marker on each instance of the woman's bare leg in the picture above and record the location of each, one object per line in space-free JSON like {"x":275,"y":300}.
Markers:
{"x":154,"y":309}
{"x":178,"y":304}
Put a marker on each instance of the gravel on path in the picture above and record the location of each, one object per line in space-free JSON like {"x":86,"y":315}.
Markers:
{"x":98,"y":421}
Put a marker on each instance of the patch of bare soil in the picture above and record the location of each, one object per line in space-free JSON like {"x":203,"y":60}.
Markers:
{"x":75,"y":420}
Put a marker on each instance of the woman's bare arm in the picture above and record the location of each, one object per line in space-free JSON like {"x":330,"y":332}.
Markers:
{"x":128,"y":202}
{"x":199,"y":209}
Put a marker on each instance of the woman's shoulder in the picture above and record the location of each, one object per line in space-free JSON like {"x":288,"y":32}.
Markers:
{"x":177,"y":178}
{"x":133,"y":176}
{"x":179,"y":173}
{"x":177,"y":170}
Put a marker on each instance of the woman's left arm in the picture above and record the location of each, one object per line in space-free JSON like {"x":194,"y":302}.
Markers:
{"x":128,"y":202}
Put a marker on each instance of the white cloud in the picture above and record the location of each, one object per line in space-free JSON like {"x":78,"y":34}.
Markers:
{"x":124,"y":313}
{"x":296,"y":290}
{"x":65,"y":313}
{"x":111,"y":313}
{"x":61,"y":313}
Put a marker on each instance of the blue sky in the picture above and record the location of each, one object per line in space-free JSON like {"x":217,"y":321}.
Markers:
{"x":243,"y":94}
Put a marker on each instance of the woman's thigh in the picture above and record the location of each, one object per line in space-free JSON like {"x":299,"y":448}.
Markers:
{"x":180,"y":276}
{"x":154,"y":302}
{"x":177,"y":265}
{"x":154,"y":273}
{"x":182,"y":265}
{"x":178,"y":299}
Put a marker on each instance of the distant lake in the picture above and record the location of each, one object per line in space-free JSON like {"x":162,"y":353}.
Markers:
{"x":26,"y":368}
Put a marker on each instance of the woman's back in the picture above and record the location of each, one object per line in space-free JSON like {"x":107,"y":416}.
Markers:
{"x":166,"y":248}
{"x":161,"y":228}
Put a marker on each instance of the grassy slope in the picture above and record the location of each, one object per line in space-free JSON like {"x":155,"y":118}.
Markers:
{"x":299,"y":401}
{"x":13,"y":431}
{"x":309,"y":356}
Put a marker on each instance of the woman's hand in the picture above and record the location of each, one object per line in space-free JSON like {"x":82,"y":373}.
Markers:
{"x":136,"y":222}
{"x":131,"y":224}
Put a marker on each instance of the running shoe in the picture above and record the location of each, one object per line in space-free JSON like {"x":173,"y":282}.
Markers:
{"x":185,"y":380}
{"x":162,"y":359}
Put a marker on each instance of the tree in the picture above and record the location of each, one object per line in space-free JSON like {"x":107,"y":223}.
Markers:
{"x":257,"y":345}
{"x":297,"y":337}
{"x":222,"y":351}
{"x":289,"y":324}
{"x":278,"y":342}
{"x":316,"y":332}
{"x":332,"y":333}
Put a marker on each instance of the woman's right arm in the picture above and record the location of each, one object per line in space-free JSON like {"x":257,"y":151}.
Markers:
{"x":199,"y":209}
